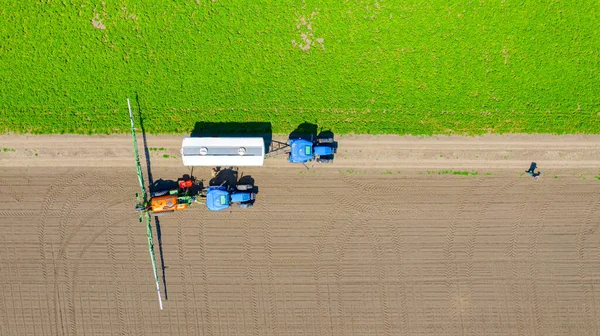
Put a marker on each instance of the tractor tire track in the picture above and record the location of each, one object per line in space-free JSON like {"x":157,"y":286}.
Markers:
{"x":71,"y":278}
{"x":268,"y":246}
{"x":251,"y":278}
{"x":472,"y":236}
{"x":367,"y":188}
{"x":11,"y":192}
{"x":18,"y":214}
{"x":398,"y":245}
{"x":185,"y":282}
{"x":56,"y":295}
{"x":451,"y":272}
{"x":378,"y":252}
{"x":116,"y":281}
{"x":340,"y":244}
{"x":102,"y":194}
{"x":590,"y":321}
{"x":204,"y":277}
{"x":64,"y":214}
{"x":532,"y":256}
{"x":377,"y":247}
{"x":400,"y":252}
{"x":318,"y":248}
{"x":511,"y":254}
{"x":62,"y":266}
{"x":4,"y":278}
{"x":54,"y":192}
{"x":348,"y":201}
{"x":139,"y":317}
{"x":87,"y":245}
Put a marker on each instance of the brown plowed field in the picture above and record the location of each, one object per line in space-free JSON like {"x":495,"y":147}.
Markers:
{"x":383,"y":242}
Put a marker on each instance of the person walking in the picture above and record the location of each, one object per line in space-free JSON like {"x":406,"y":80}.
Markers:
{"x":532,"y":172}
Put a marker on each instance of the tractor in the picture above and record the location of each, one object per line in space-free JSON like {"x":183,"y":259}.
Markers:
{"x":222,"y":197}
{"x":226,"y":188}
{"x":301,"y":150}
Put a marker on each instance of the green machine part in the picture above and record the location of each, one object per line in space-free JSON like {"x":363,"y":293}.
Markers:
{"x":143,"y":200}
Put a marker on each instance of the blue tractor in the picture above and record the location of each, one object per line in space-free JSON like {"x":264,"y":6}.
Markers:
{"x":222,"y":197}
{"x":302,"y":151}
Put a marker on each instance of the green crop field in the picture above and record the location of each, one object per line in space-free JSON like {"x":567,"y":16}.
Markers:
{"x":400,"y":67}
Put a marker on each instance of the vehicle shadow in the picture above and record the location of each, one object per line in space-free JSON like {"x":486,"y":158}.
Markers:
{"x":305,"y":130}
{"x":230,"y":178}
{"x":227,"y":177}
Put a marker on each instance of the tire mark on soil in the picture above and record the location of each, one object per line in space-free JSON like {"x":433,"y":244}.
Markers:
{"x":71,"y":279}
{"x":399,"y":250}
{"x":358,"y":210}
{"x":340,"y":245}
{"x":378,"y":251}
{"x":268,"y":243}
{"x":511,"y":253}
{"x":250,"y":278}
{"x":472,"y":236}
{"x":532,"y":252}
{"x":20,"y":214}
{"x":204,"y":276}
{"x":452,"y":293}
{"x":4,"y":324}
{"x":318,"y":262}
{"x":68,"y":211}
{"x":590,"y":321}
{"x":372,"y":188}
{"x":56,"y":294}
{"x":136,"y":293}
{"x":54,"y":192}
{"x":188,"y":314}
{"x":87,"y":245}
{"x":115,"y":277}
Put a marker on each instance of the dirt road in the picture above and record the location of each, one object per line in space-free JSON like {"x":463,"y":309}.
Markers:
{"x":386,"y":241}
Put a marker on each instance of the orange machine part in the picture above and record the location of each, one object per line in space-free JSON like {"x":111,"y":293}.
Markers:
{"x":164,"y":203}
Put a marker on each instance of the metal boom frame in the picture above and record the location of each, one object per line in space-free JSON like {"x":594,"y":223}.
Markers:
{"x":144,"y":201}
